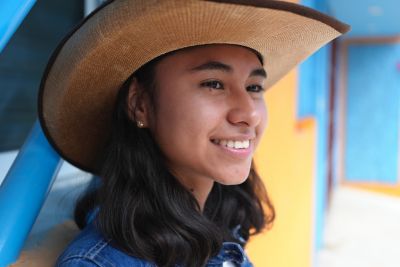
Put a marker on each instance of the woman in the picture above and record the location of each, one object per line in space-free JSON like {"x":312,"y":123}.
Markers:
{"x":164,"y":101}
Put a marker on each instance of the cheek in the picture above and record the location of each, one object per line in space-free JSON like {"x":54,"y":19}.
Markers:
{"x":187,"y":110}
{"x":180,"y":122}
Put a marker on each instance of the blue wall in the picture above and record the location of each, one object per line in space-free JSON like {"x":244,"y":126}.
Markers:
{"x":372,"y":113}
{"x":368,"y":17}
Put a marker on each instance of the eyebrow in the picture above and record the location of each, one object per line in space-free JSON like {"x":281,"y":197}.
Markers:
{"x":213,"y":65}
{"x":259,"y":72}
{"x":216,"y":65}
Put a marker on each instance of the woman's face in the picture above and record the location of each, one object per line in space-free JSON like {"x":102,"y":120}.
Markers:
{"x":210,"y":112}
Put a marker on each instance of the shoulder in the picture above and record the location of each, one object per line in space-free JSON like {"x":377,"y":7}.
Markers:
{"x":90,"y":249}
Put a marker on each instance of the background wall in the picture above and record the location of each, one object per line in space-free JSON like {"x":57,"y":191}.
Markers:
{"x":370,"y":114}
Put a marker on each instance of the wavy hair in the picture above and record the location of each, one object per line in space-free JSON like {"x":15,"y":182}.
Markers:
{"x":149,"y":214}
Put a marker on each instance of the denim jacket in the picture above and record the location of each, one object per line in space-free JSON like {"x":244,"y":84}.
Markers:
{"x":90,"y":249}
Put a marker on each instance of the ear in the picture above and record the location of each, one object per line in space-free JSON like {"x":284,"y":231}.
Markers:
{"x":138,"y":104}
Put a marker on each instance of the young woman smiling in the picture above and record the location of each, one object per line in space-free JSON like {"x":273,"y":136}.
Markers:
{"x":163,"y":100}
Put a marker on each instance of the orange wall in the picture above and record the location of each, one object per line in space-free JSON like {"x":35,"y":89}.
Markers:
{"x":285,"y":160}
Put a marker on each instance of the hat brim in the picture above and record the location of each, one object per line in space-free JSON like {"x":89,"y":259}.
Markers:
{"x":82,"y":78}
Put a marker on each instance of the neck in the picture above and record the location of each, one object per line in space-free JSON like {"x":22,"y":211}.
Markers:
{"x":201,"y":193}
{"x":200,"y":187}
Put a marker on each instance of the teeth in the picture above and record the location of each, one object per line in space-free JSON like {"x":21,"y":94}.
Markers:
{"x":233,"y":144}
{"x":238,"y":144}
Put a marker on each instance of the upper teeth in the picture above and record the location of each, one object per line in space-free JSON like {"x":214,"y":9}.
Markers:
{"x":233,"y":144}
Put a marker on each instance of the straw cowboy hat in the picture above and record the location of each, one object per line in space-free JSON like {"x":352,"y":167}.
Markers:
{"x":79,"y":87}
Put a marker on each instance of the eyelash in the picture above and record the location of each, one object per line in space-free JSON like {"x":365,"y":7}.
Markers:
{"x":212,"y":84}
{"x":219,"y":86}
{"x":258,"y":90}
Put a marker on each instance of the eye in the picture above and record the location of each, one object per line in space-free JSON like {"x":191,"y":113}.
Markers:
{"x":213,"y":84}
{"x":255,"y":88}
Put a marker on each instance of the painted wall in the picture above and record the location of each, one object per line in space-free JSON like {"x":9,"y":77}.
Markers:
{"x":368,"y":17}
{"x":285,"y":160}
{"x":370,"y":124}
{"x":372,"y":114}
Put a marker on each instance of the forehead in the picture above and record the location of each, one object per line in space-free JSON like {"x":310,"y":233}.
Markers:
{"x":233,"y":55}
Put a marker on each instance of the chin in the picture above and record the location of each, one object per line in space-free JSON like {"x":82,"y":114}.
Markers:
{"x":233,"y":180}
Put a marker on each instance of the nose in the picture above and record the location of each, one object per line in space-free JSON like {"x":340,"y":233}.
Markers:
{"x":243,"y":109}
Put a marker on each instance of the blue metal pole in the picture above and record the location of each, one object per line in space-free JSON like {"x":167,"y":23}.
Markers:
{"x":23,"y":192}
{"x":12,"y":13}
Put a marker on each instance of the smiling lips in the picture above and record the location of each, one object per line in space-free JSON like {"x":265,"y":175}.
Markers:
{"x":235,"y":144}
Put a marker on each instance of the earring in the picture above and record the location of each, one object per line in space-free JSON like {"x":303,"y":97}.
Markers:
{"x":140,"y":124}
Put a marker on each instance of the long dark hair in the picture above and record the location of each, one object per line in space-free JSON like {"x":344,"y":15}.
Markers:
{"x":145,"y":210}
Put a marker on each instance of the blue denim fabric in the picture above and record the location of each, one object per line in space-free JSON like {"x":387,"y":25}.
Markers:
{"x":90,"y":249}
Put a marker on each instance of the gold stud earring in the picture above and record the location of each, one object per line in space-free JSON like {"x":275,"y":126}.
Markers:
{"x":140,"y":124}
